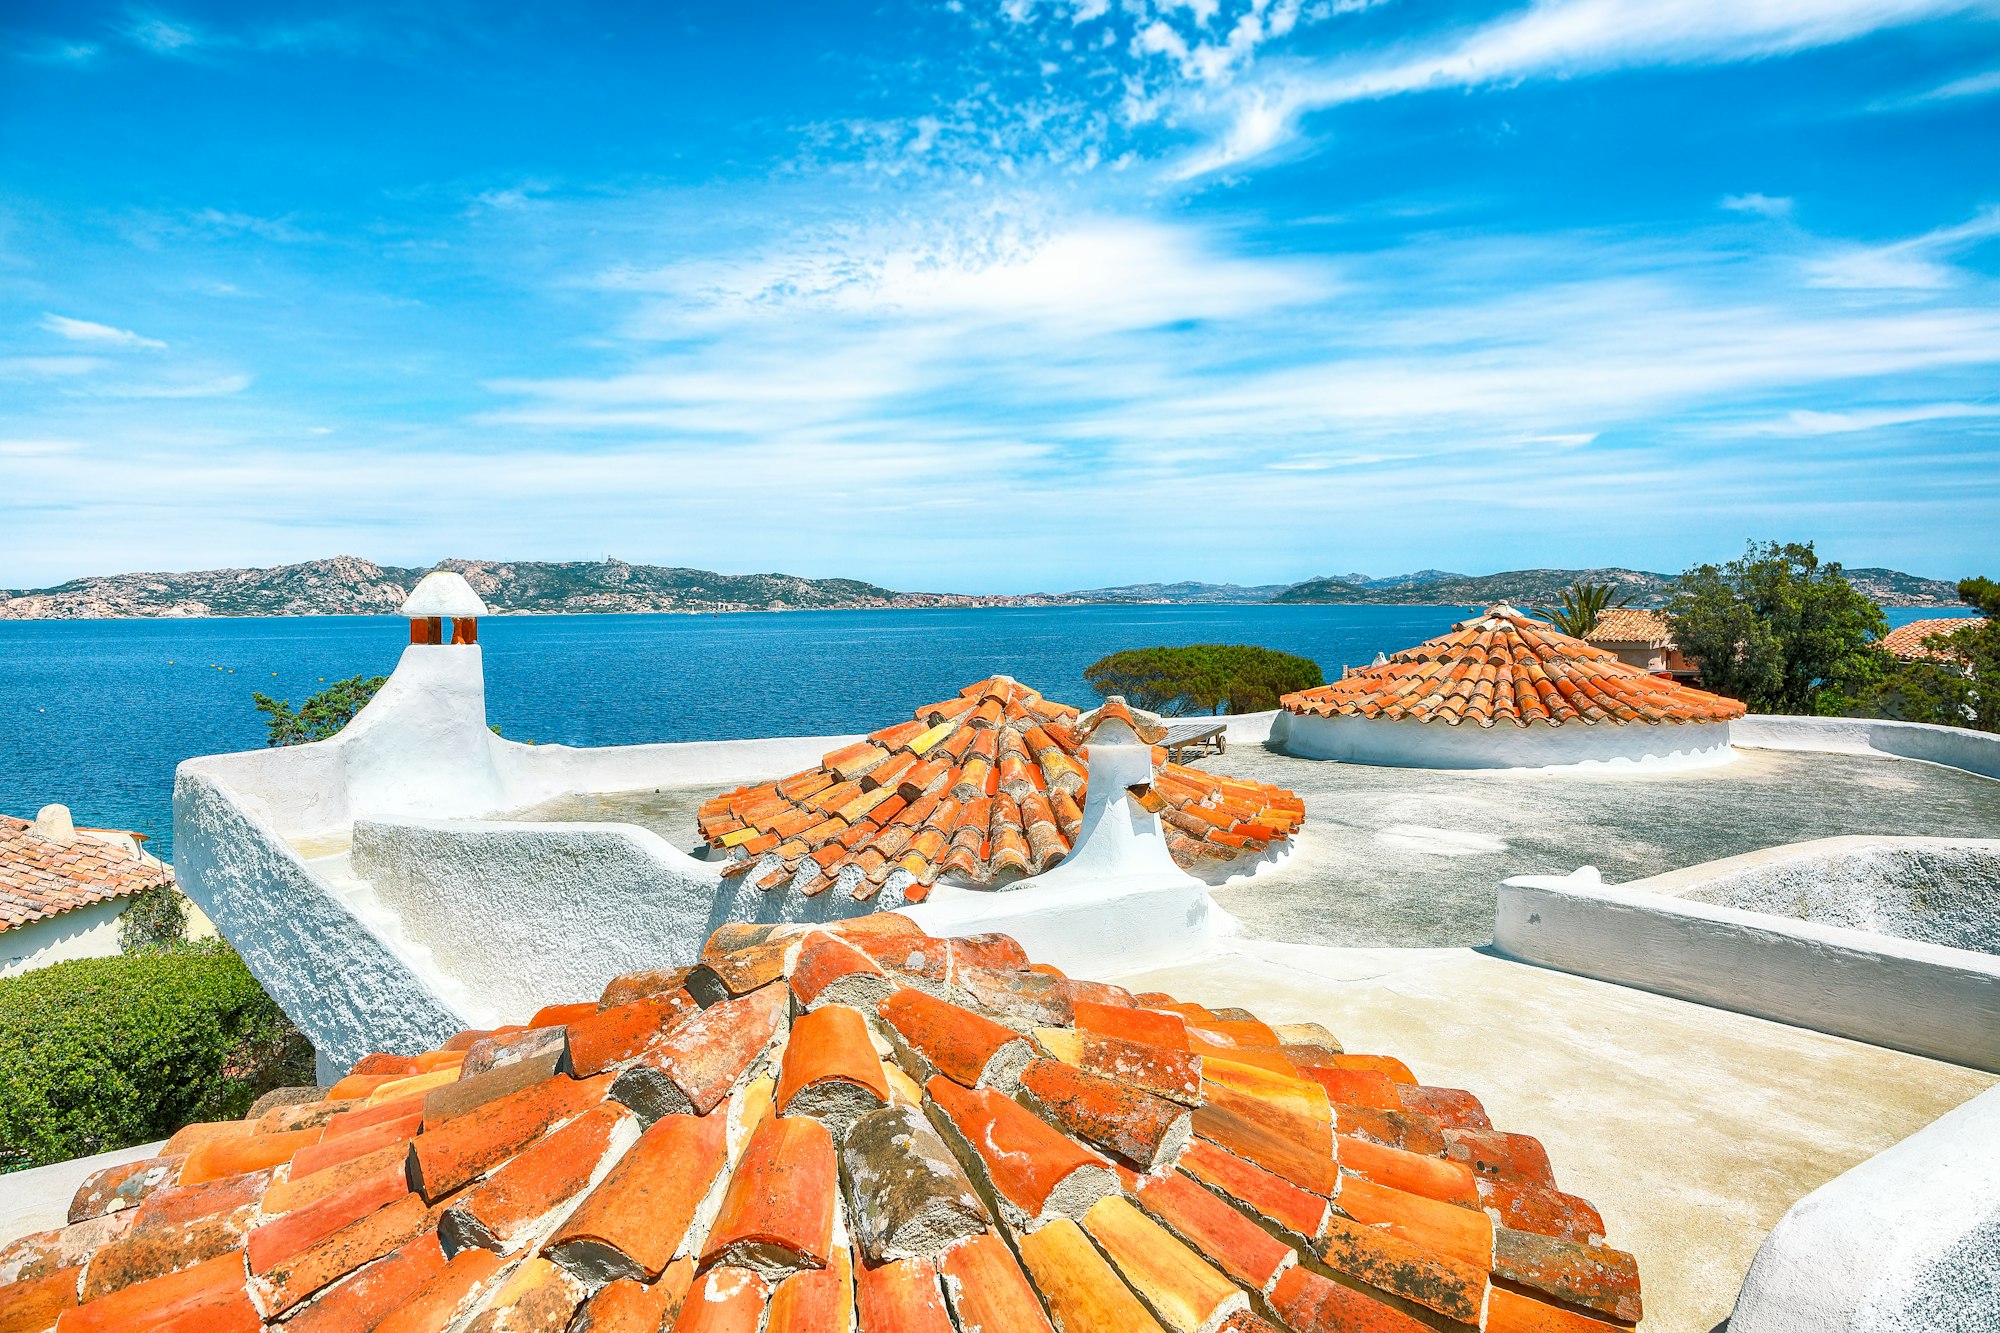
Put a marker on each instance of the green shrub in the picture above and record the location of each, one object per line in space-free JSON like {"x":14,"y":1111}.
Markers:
{"x":1203,"y":678}
{"x":103,"y":1053}
{"x":156,"y":919}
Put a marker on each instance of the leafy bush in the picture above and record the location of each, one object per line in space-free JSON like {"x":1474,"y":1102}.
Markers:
{"x":1957,"y":690}
{"x":103,"y":1053}
{"x":1199,"y":679}
{"x":320,"y":716}
{"x":156,"y":919}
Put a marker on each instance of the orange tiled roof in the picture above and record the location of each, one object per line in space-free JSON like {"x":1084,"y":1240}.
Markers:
{"x":1630,"y":624}
{"x":1506,"y":666}
{"x":40,"y":878}
{"x":987,"y":784}
{"x":1907,"y":641}
{"x":727,"y":1147}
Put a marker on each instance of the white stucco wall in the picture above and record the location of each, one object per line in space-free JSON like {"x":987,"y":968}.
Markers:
{"x":1954,"y":747}
{"x":83,"y":932}
{"x":1906,"y":994}
{"x":1939,"y":890}
{"x":1906,"y":1242}
{"x":526,"y":914}
{"x":1406,"y":743}
{"x":350,"y":985}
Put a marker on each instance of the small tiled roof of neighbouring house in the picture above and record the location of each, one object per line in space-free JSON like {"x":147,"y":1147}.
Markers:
{"x":851,"y":1127}
{"x":1907,"y":641}
{"x":41,"y":878}
{"x":987,"y":784}
{"x":1631,"y":624}
{"x":1508,"y":667}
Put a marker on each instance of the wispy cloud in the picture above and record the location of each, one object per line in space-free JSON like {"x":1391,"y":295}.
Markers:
{"x":1763,"y":205}
{"x":1553,"y":39}
{"x":1917,"y":263}
{"x":86,"y":331}
{"x":1804,"y":423}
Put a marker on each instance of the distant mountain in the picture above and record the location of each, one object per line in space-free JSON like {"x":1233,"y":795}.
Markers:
{"x":347,"y":585}
{"x":1181,"y":593}
{"x":1890,"y":587}
{"x":1520,"y":587}
{"x":1528,"y":588}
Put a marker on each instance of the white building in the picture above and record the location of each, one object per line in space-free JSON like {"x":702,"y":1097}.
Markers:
{"x":63,"y":888}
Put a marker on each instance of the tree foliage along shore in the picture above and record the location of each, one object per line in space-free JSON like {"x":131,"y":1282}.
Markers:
{"x":103,"y":1053}
{"x":322,"y":715}
{"x":1779,"y":630}
{"x":1203,"y":679}
{"x":1959,"y":689}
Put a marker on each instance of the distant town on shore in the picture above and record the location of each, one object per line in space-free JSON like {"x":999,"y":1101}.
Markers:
{"x":348,"y":585}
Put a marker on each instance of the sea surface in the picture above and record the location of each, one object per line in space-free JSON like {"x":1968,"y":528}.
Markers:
{"x":96,"y":713}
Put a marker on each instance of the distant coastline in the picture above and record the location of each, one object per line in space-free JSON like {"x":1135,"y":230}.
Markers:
{"x":348,"y":585}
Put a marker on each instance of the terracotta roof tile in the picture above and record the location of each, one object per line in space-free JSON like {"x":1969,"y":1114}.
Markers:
{"x":1508,"y":667}
{"x":41,"y":878}
{"x":1907,"y":641}
{"x":1631,"y":624}
{"x":980,"y":788}
{"x":884,"y":1204}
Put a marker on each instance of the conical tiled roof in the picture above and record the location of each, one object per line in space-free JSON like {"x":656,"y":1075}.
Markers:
{"x":978,"y":787}
{"x":1508,"y":667}
{"x":854,"y":1127}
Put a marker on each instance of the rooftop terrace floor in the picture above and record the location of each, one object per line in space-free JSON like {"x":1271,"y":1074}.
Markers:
{"x":1692,"y":1129}
{"x":1407,"y":857}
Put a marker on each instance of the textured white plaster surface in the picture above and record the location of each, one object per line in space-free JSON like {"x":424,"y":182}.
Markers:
{"x":1954,"y":747}
{"x":1407,"y":743}
{"x":1939,"y":890}
{"x":524,"y":915}
{"x":1906,"y":1242}
{"x":82,"y":932}
{"x":1904,"y":994}
{"x":352,"y":988}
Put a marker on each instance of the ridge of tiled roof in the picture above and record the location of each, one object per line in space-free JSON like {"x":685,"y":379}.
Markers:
{"x":986,"y":784}
{"x":854,"y":1127}
{"x":1630,"y":624}
{"x":1907,"y":641}
{"x":1505,"y":666}
{"x":41,"y":878}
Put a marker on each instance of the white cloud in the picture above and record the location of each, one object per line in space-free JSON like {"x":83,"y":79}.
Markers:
{"x":1763,"y":205}
{"x":1805,"y":423}
{"x":1916,"y":264}
{"x":162,"y":35}
{"x":87,"y":331}
{"x":1567,"y":38}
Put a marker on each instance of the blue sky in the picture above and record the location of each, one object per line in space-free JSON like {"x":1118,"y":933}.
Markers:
{"x":1000,"y":296}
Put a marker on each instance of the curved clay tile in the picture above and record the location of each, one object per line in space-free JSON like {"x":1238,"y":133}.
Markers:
{"x":975,"y":1142}
{"x":1508,"y":667}
{"x":982,"y":787}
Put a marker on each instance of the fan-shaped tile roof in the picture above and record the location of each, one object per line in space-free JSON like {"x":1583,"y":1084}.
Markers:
{"x":1907,"y":641}
{"x":1508,"y":667}
{"x":985,"y":785}
{"x":865,"y":1128}
{"x":41,"y":878}
{"x":1630,"y":624}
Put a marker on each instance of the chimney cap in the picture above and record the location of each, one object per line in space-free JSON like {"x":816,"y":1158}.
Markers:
{"x":443,"y":592}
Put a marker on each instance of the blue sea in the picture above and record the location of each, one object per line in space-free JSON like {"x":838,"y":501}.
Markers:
{"x":96,"y":713}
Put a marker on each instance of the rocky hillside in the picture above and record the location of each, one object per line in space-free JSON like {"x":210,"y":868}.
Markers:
{"x":345,"y":585}
{"x":1520,"y":587}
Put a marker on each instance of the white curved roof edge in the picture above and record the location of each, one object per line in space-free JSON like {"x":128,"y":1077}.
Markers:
{"x":443,"y":592}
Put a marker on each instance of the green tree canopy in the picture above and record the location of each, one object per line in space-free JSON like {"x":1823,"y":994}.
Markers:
{"x":1779,"y":630}
{"x":1203,"y":678}
{"x":321,"y":716}
{"x":1957,"y":689}
{"x":1581,"y":605}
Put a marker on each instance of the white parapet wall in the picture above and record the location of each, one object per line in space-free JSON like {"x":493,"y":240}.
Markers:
{"x":1906,"y":1242}
{"x":1954,"y":747}
{"x":1907,"y":994}
{"x":1408,"y":743}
